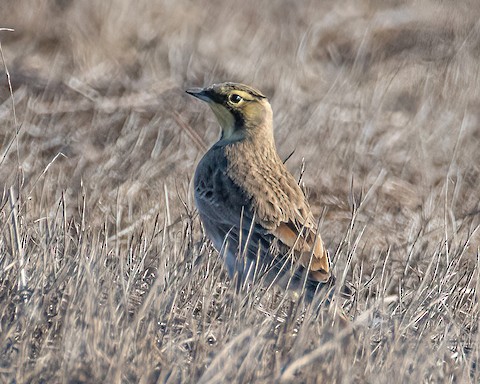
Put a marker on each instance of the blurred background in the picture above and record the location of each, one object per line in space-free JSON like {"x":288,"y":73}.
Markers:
{"x":379,"y":99}
{"x":381,"y":94}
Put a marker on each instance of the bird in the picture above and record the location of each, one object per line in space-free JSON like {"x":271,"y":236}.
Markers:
{"x":251,"y":207}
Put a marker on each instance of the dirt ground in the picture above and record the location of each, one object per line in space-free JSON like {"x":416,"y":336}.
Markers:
{"x":105,"y":274}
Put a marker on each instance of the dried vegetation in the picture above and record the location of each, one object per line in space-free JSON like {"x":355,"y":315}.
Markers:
{"x":380,"y":99}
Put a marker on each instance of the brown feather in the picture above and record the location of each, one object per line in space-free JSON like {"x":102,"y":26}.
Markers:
{"x":302,"y":243}
{"x":278,"y":202}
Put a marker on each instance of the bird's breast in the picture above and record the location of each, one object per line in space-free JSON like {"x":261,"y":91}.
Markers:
{"x":214,"y":189}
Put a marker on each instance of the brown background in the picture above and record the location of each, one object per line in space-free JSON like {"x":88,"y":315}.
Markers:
{"x":380,"y":99}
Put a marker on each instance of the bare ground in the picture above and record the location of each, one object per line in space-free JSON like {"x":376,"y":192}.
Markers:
{"x":380,"y":99}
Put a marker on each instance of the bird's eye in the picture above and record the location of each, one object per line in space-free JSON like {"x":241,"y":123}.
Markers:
{"x":234,"y":98}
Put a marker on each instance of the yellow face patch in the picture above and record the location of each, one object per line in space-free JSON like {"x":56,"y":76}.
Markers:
{"x":225,"y":118}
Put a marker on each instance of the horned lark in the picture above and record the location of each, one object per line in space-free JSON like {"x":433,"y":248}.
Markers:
{"x":251,"y":207}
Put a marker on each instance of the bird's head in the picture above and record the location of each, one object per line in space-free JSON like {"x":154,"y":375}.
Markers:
{"x":242,"y":111}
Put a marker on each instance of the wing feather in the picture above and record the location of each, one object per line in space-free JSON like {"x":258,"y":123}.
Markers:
{"x":308,"y":248}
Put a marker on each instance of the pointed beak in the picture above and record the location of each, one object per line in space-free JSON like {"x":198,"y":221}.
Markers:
{"x":200,"y":93}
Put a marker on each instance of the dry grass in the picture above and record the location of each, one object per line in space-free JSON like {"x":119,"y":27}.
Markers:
{"x":380,"y":99}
